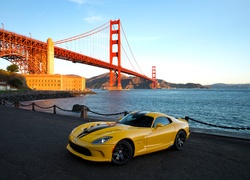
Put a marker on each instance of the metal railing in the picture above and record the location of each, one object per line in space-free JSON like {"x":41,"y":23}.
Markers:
{"x":84,"y":113}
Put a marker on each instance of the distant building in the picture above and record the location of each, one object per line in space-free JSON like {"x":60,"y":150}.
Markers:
{"x":6,"y":87}
{"x":55,"y":82}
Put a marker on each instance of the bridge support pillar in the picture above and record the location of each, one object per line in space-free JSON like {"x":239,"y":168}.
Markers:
{"x":50,"y":56}
{"x":115,"y":53}
{"x":154,"y":83}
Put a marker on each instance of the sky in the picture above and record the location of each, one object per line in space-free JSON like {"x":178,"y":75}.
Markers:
{"x":189,"y":41}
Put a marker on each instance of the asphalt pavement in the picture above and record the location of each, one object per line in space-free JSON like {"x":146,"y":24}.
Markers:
{"x":33,"y":146}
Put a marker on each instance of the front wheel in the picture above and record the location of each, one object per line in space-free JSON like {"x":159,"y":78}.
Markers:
{"x":122,"y":153}
{"x":180,"y":140}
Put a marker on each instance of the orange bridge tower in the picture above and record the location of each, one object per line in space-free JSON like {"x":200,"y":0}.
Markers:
{"x":115,"y":54}
{"x":154,"y":84}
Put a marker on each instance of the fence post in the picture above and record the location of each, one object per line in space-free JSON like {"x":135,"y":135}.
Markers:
{"x":54,"y":109}
{"x":84,"y":113}
{"x":33,"y":106}
{"x":16,"y":103}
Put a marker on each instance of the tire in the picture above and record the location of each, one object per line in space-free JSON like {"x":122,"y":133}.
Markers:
{"x":122,"y":153}
{"x":180,"y":140}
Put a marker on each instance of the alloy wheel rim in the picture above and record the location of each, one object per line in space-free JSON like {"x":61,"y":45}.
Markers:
{"x":121,"y":154}
{"x":181,"y":140}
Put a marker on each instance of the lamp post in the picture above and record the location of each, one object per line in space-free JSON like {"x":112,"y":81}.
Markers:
{"x":2,"y":26}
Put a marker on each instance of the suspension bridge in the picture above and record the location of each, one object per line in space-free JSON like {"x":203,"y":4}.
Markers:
{"x":101,"y":47}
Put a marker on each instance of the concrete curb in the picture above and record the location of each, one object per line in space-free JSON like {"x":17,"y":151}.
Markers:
{"x":216,"y":132}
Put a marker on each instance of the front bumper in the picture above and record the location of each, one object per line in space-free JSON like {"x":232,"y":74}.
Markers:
{"x":88,"y":151}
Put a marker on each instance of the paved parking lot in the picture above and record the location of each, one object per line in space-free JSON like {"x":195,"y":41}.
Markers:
{"x":33,"y":146}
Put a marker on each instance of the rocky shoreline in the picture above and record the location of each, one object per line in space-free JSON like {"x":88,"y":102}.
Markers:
{"x":36,"y":95}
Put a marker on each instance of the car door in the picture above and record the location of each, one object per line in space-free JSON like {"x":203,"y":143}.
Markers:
{"x":161,"y":136}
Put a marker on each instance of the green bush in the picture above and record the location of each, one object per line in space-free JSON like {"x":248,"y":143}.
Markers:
{"x":17,"y":83}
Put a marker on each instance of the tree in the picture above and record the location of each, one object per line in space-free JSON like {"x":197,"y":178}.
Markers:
{"x":13,"y":68}
{"x":15,"y":82}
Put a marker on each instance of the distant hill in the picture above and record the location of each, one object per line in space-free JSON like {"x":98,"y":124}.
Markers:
{"x":128,"y":82}
{"x":229,"y":86}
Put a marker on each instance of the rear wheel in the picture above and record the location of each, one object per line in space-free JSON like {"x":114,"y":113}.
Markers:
{"x":122,"y":153}
{"x":180,"y":140}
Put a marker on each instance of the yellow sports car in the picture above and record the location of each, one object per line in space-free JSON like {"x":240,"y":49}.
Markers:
{"x":137,"y":133}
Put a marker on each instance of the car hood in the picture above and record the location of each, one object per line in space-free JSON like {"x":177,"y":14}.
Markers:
{"x":92,"y":131}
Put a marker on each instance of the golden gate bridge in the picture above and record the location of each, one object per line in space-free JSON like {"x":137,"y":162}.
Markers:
{"x":94,"y":48}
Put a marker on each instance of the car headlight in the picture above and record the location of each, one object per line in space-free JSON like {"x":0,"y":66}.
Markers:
{"x":102,"y":140}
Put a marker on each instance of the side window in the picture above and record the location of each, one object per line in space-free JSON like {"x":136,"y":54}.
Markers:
{"x":163,"y":120}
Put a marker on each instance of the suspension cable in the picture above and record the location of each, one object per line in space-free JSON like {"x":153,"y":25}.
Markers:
{"x":128,"y":58}
{"x":91,"y":32}
{"x":131,"y":50}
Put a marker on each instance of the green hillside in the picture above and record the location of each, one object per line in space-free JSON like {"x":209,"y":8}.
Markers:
{"x":14,"y":79}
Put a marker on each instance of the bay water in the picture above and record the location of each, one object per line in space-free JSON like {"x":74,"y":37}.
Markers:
{"x":221,"y":107}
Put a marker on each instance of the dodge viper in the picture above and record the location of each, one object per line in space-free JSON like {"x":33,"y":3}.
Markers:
{"x":137,"y":133}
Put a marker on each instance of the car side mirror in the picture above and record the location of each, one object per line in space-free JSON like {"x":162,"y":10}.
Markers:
{"x":159,"y":125}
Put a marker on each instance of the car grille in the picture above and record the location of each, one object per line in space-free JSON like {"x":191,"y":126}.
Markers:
{"x":80,"y":149}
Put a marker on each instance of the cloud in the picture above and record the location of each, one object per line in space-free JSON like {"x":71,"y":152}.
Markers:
{"x":79,"y":1}
{"x":93,"y":19}
{"x":94,"y":2}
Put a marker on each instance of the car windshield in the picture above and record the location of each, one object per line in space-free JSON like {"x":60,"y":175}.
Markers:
{"x":139,"y":120}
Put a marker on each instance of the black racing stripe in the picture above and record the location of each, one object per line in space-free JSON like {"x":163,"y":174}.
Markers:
{"x":91,"y":129}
